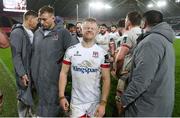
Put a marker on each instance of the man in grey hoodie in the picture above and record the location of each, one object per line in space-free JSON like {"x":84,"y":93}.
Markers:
{"x":49,"y":46}
{"x":21,"y":39}
{"x":150,"y":90}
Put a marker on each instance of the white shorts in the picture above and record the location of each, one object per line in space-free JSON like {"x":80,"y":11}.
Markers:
{"x":87,"y":109}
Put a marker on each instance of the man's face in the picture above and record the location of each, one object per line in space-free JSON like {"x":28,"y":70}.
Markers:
{"x":127,"y":23}
{"x":143,"y":24}
{"x":89,"y":31}
{"x":72,"y":29}
{"x":113,"y":29}
{"x":79,"y":29}
{"x":33,"y":21}
{"x":47,"y":20}
{"x":103,"y":29}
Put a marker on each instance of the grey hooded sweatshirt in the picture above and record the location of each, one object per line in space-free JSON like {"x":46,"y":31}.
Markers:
{"x":47,"y":53}
{"x":21,"y":55}
{"x":150,"y":91}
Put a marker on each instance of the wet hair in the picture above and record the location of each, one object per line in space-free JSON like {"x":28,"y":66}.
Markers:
{"x":134,"y":17}
{"x":70,"y":25}
{"x":104,"y":25}
{"x":47,"y":9}
{"x":92,"y":20}
{"x":121,"y":23}
{"x":29,"y":13}
{"x":114,"y":26}
{"x":153,"y":17}
{"x":78,"y":22}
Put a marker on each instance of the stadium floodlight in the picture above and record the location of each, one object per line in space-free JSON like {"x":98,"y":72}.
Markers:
{"x":150,"y":5}
{"x":177,"y":1}
{"x":107,"y":6}
{"x":161,"y":3}
{"x":97,"y":6}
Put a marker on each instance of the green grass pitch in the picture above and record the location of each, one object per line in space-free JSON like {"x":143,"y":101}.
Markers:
{"x":7,"y":85}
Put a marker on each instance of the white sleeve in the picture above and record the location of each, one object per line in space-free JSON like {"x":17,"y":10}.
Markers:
{"x":105,"y":61}
{"x":67,"y":57}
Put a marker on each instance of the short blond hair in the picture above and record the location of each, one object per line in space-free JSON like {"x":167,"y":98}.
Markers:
{"x":46,"y":9}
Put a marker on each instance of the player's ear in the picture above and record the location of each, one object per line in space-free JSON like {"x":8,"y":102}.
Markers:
{"x":53,"y":18}
{"x":143,"y":24}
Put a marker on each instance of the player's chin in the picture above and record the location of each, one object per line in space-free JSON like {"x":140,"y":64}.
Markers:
{"x":87,"y":39}
{"x":89,"y":36}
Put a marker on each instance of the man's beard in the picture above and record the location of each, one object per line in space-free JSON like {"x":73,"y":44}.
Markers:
{"x":102,"y":33}
{"x":79,"y":34}
{"x":45,"y":28}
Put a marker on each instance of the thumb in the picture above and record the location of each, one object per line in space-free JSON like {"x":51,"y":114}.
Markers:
{"x":96,"y":113}
{"x":66,"y":104}
{"x":27,"y":79}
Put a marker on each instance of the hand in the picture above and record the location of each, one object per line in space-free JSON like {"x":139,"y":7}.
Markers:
{"x":25,"y":80}
{"x":100,"y":111}
{"x":64,"y":104}
{"x":111,"y":59}
{"x":120,"y":108}
{"x":113,"y":73}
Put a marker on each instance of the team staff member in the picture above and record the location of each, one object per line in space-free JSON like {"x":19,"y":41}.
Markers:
{"x":50,"y":43}
{"x":21,"y":39}
{"x":150,"y":91}
{"x":88,"y":63}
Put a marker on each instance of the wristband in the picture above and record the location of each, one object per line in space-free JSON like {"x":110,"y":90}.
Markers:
{"x":60,"y":98}
{"x":103,"y":102}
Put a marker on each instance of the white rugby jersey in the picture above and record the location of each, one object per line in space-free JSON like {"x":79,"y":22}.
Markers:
{"x":129,"y":40}
{"x":86,"y":64}
{"x":103,"y":41}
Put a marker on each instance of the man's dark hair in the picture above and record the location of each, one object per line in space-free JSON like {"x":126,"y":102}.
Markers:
{"x":121,"y":23}
{"x":29,"y":13}
{"x":70,"y":25}
{"x":104,"y":25}
{"x":47,"y":9}
{"x":134,"y":17}
{"x":114,"y":26}
{"x":153,"y":17}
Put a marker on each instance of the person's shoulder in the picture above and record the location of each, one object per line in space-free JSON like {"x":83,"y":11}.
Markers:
{"x":149,"y":40}
{"x":17,"y":28}
{"x":17,"y":32}
{"x":38,"y":31}
{"x":61,"y":29}
{"x":134,"y":31}
{"x":74,"y":46}
{"x":100,"y":49}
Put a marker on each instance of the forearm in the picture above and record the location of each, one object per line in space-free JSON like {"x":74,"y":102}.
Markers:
{"x":62,"y":84}
{"x":119,"y":66}
{"x":105,"y":89}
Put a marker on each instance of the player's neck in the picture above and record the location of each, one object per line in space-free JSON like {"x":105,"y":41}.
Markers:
{"x":87,"y":44}
{"x":26,"y":25}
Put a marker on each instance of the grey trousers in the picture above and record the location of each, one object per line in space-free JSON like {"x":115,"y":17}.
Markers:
{"x":24,"y":110}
